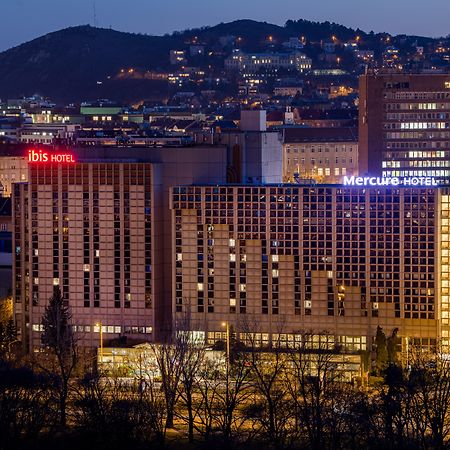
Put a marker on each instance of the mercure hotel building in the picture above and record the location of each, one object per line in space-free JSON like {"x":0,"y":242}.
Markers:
{"x":331,"y":262}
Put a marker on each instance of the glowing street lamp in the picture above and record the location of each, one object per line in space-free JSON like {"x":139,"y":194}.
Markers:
{"x":99,"y":325}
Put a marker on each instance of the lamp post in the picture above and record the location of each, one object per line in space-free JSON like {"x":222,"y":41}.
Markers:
{"x":227,"y":325}
{"x":9,"y":346}
{"x":99,"y":325}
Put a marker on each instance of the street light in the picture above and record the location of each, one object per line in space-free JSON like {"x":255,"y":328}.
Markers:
{"x":227,"y":325}
{"x":99,"y":324}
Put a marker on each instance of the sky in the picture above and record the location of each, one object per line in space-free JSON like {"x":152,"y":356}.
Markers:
{"x":23,"y":20}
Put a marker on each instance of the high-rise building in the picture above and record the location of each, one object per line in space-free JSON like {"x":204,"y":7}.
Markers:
{"x":404,"y":125}
{"x":332,"y":262}
{"x":88,"y":229}
{"x":95,"y":223}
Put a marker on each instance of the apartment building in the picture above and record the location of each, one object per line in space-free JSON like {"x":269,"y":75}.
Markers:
{"x":324,"y":155}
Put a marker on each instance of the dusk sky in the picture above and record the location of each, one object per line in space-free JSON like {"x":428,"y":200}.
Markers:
{"x":23,"y":20}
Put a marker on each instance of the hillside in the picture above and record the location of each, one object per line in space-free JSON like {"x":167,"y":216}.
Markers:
{"x":67,"y":64}
{"x":82,"y":63}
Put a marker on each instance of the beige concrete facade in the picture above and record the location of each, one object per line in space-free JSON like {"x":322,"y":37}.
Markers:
{"x":86,"y":228}
{"x":329,"y":262}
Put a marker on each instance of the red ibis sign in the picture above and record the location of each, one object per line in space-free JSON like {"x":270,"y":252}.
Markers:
{"x":41,"y":156}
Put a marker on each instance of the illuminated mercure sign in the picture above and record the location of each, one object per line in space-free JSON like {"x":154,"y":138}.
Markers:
{"x":391,"y":181}
{"x":40,"y":156}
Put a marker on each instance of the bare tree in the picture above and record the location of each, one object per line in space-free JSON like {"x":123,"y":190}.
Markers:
{"x":223,"y":397}
{"x":168,"y":358}
{"x":116,"y":414}
{"x":311,"y":382}
{"x":429,"y":378}
{"x":268,"y":368}
{"x":193,"y":354}
{"x":7,"y":327}
{"x":25,"y":406}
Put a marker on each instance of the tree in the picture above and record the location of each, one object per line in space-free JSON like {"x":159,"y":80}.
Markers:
{"x":116,"y":414}
{"x":193,"y":354}
{"x":25,"y":406}
{"x":311,"y":382}
{"x":169,"y":358}
{"x":7,"y":327}
{"x":430,"y":379}
{"x":222,"y":397}
{"x":268,"y":368}
{"x":381,"y":348}
{"x":392,"y":344}
{"x":58,"y":337}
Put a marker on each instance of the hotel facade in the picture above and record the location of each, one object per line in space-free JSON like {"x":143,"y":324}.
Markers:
{"x":94,"y":224}
{"x":329,"y":262}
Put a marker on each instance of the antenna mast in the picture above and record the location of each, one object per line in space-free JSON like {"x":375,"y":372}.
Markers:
{"x":95,"y":14}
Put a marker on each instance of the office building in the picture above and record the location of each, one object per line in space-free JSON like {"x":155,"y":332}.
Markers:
{"x":404,"y":125}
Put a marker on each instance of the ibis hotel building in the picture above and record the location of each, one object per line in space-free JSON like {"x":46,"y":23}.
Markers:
{"x":331,"y":262}
{"x":92,"y":222}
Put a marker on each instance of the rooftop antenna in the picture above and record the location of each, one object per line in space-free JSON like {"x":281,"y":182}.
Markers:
{"x":95,"y":14}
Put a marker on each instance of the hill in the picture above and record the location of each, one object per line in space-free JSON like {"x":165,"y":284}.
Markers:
{"x":66,"y":65}
{"x":82,"y":63}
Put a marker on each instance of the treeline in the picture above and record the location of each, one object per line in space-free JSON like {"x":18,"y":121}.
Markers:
{"x":283,"y":400}
{"x":178,"y":396}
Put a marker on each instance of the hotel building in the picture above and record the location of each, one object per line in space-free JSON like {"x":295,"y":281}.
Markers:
{"x":404,"y":125}
{"x":329,"y":262}
{"x":96,"y":226}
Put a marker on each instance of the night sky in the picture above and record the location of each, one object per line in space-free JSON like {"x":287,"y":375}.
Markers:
{"x":23,"y":20}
